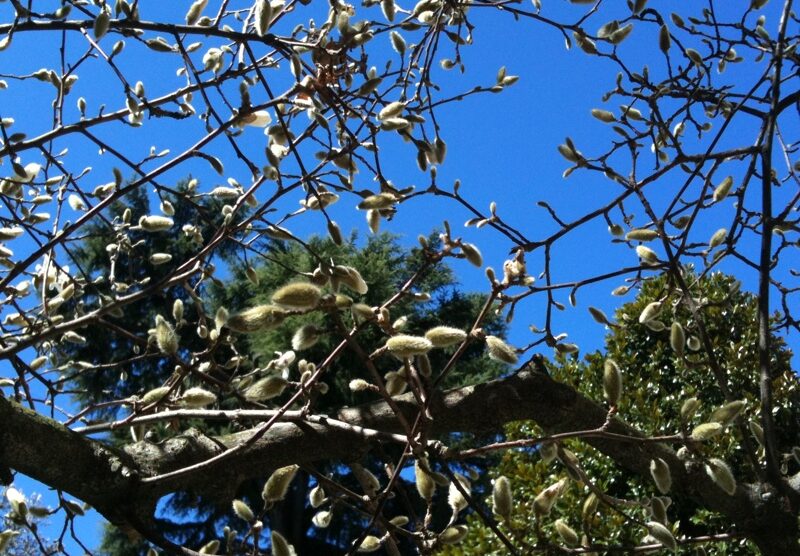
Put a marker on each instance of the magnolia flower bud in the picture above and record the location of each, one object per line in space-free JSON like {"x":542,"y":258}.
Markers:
{"x":612,"y":382}
{"x":502,"y":498}
{"x":704,"y":431}
{"x":444,"y":336}
{"x":358,"y":385}
{"x":425,"y":483}
{"x":243,"y":511}
{"x":689,"y":408}
{"x":371,"y":543}
{"x":548,"y":451}
{"x":305,"y":337}
{"x":351,"y":278}
{"x":650,"y":312}
{"x":662,"y":535}
{"x":166,"y":338}
{"x":197,"y":398}
{"x":316,"y":497}
{"x":641,"y":234}
{"x":155,"y":395}
{"x":404,"y":345}
{"x":566,"y":532}
{"x":260,"y":317}
{"x":661,"y":475}
{"x":455,"y":498}
{"x":727,"y":413}
{"x":298,"y":296}
{"x":160,"y":258}
{"x":721,"y":191}
{"x":155,"y":223}
{"x":280,"y":546}
{"x":545,"y":500}
{"x":500,"y":351}
{"x":721,"y":474}
{"x":453,"y":534}
{"x":677,"y":338}
{"x":472,"y":254}
{"x":266,"y":388}
{"x":378,"y":202}
{"x":277,"y":485}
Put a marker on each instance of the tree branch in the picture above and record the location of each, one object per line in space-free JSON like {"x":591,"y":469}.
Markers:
{"x":108,"y":478}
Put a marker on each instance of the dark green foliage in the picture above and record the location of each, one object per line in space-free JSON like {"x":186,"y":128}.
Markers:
{"x":655,"y":384}
{"x":385,"y":266}
{"x":126,"y":366}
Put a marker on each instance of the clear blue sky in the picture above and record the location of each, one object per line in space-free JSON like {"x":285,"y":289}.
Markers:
{"x":502,"y":147}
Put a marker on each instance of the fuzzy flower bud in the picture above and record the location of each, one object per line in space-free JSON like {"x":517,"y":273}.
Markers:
{"x":502,"y":499}
{"x":299,"y":295}
{"x":197,"y":398}
{"x":403,"y":345}
{"x":444,"y":336}
{"x":661,"y":475}
{"x":166,"y":338}
{"x":155,"y":223}
{"x":255,"y":319}
{"x":265,"y":389}
{"x":500,"y":351}
{"x":277,"y":485}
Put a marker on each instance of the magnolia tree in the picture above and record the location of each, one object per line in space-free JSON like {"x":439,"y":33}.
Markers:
{"x":699,"y":172}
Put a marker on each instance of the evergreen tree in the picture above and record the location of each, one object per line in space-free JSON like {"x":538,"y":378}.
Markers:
{"x":383,"y":263}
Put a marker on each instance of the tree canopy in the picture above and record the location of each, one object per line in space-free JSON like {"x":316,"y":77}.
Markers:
{"x":197,"y":347}
{"x":661,"y":393}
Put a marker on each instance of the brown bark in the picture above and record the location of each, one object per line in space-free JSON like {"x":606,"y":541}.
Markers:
{"x":109,"y":479}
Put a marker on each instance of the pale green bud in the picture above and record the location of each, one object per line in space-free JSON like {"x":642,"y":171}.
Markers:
{"x":453,"y":534}
{"x":721,"y":191}
{"x":155,"y":223}
{"x":612,"y":382}
{"x":727,"y":413}
{"x":641,"y":234}
{"x":444,"y":336}
{"x":378,"y":202}
{"x":677,"y":338}
{"x":704,"y":431}
{"x":243,"y":511}
{"x":566,"y":532}
{"x":404,"y":345}
{"x":472,"y":254}
{"x":305,"y":337}
{"x":689,"y":408}
{"x":721,"y":474}
{"x":255,"y":319}
{"x":502,"y":498}
{"x":662,"y":535}
{"x":266,"y":388}
{"x":197,"y":397}
{"x":425,"y":483}
{"x":661,"y":474}
{"x":166,"y":338}
{"x":371,"y":543}
{"x":155,"y":395}
{"x":277,"y":485}
{"x":500,"y":351}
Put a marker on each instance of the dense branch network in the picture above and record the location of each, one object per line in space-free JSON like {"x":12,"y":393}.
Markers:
{"x":334,"y":106}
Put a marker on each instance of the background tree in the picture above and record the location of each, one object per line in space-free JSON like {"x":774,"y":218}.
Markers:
{"x":695,"y":172}
{"x":656,"y":394}
{"x":386,"y":265}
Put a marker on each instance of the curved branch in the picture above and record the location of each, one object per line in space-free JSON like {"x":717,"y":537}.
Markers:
{"x":87,"y":467}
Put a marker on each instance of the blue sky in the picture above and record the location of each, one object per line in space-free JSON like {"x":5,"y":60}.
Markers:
{"x":501,"y":146}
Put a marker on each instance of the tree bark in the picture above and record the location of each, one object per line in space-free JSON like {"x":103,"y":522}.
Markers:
{"x":109,"y":478}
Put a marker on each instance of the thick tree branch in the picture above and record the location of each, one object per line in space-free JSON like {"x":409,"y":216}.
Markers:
{"x":86,"y":468}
